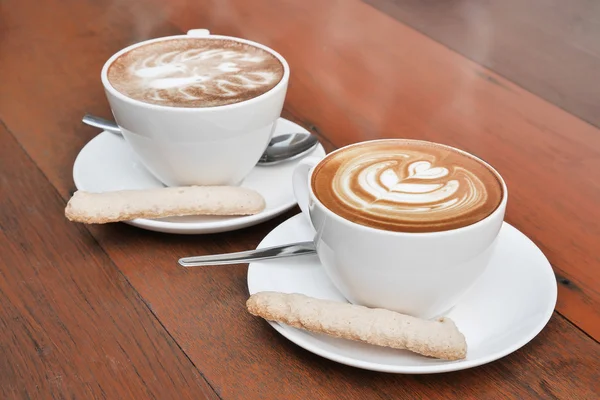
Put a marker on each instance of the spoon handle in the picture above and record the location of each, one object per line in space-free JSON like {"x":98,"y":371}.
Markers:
{"x":101,"y":123}
{"x":287,"y":250}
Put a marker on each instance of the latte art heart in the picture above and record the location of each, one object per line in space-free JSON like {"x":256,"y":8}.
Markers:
{"x":195,"y":72}
{"x":382,"y":182}
{"x":407,"y":186}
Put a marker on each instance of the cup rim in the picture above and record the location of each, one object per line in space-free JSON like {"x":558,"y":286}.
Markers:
{"x":114,"y":92}
{"x":499,"y":209}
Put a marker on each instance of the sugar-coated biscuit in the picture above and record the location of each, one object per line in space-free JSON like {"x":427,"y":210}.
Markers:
{"x":434,"y":338}
{"x":125,"y":205}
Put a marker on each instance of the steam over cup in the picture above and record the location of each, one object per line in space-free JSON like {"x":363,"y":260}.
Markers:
{"x":198,"y":146}
{"x":419,"y":274}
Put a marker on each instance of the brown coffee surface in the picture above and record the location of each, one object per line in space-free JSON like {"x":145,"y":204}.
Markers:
{"x":195,"y":72}
{"x":407,"y":186}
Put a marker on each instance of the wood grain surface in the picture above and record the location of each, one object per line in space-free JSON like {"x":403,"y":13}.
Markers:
{"x":357,"y":74}
{"x":72,"y":326}
{"x":549,"y":47}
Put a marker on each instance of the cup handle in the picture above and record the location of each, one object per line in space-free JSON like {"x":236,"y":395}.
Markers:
{"x":301,"y":184}
{"x":199,"y":33}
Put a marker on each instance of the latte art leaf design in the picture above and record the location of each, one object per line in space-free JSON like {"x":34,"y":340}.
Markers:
{"x":194,"y":73}
{"x":402,"y":186}
{"x":382,"y":181}
{"x":406,"y":185}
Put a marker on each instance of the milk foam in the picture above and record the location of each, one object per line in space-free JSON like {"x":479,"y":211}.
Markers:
{"x":209,"y":72}
{"x":404,"y":187}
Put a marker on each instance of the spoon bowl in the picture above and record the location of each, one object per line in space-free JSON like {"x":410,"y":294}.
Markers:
{"x":288,"y":147}
{"x":280,"y":149}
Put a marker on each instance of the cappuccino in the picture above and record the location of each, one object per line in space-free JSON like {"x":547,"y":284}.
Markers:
{"x":195,"y":72}
{"x":407,"y":186}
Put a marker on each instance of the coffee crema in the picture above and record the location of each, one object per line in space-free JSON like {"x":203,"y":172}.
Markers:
{"x":407,"y":186}
{"x":195,"y":72}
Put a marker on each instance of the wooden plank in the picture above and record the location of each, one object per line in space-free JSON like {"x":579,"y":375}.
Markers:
{"x":549,"y":47}
{"x":72,"y":326}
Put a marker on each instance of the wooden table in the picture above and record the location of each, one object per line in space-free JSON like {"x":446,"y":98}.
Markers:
{"x":104,"y":312}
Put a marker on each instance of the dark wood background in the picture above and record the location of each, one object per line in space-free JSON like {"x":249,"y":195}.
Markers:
{"x":104,"y":312}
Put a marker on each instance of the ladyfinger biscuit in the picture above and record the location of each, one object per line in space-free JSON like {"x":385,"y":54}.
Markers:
{"x":440,"y":338}
{"x":100,"y":208}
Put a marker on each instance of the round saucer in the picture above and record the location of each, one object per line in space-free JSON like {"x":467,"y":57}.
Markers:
{"x":507,"y":307}
{"x":107,"y":163}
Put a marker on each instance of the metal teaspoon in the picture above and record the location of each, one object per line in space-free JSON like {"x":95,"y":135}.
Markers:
{"x":286,"y":250}
{"x":280,"y":148}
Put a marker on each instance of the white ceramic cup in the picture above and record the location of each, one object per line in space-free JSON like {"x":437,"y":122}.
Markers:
{"x":419,"y":274}
{"x":198,"y":146}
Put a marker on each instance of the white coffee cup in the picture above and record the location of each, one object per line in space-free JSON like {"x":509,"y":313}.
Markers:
{"x":419,"y":274}
{"x":198,"y":146}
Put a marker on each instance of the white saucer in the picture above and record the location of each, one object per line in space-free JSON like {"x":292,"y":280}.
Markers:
{"x":509,"y":305}
{"x":107,"y":163}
